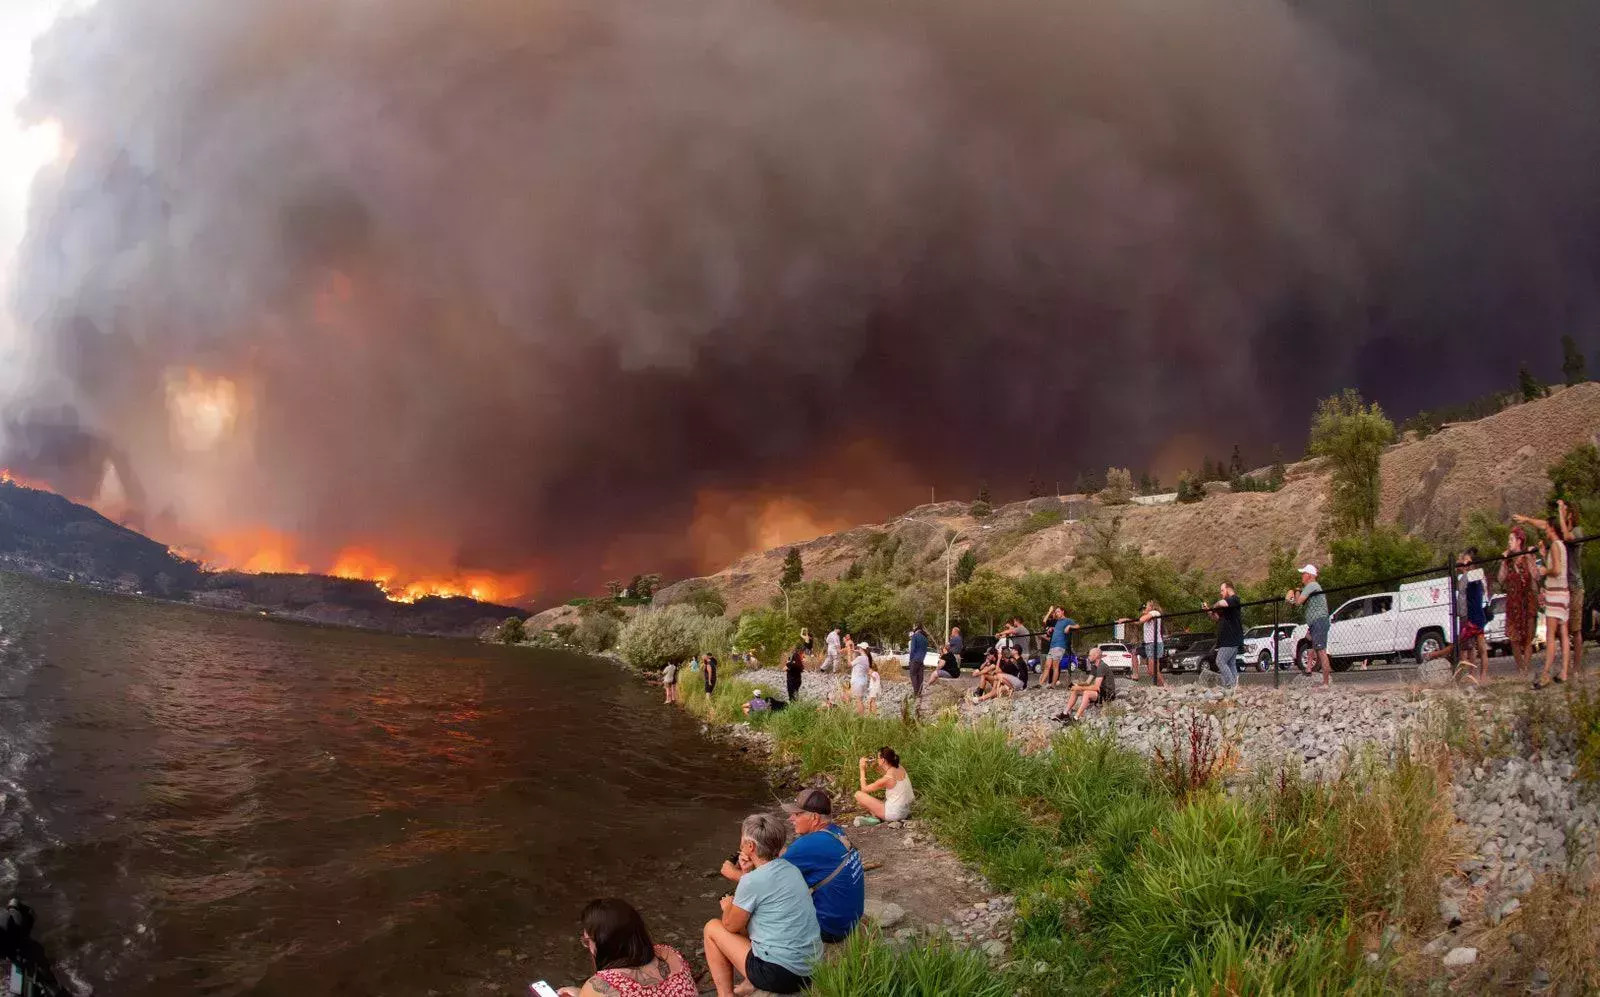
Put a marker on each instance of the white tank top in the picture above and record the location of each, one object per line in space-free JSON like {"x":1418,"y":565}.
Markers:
{"x":897,"y":801}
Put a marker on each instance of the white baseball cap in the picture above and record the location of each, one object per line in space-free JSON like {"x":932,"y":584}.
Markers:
{"x":1310,"y":569}
{"x":758,"y":693}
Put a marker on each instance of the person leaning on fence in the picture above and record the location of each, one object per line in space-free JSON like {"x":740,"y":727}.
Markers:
{"x":1557,"y":596}
{"x":1314,"y":601}
{"x":1520,"y":583}
{"x":1572,"y":537}
{"x":1154,"y":646}
{"x":1230,"y":634}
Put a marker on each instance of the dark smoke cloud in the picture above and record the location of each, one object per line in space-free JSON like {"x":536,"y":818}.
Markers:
{"x":506,"y":278}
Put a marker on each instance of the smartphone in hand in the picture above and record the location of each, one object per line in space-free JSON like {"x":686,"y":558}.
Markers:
{"x":540,"y":988}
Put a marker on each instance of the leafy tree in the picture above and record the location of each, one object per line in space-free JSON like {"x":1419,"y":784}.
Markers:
{"x":1576,"y":476}
{"x":1277,"y":473}
{"x":1081,"y":484}
{"x":966,"y":564}
{"x":853,"y":572}
{"x":980,"y":509}
{"x":597,"y":632}
{"x":656,"y":636}
{"x":1572,"y":366}
{"x":986,"y":599}
{"x":1147,"y":484}
{"x":1531,"y":387}
{"x":1377,"y":555}
{"x":768,"y":633}
{"x":1190,"y":490}
{"x":1236,"y":463}
{"x":793,"y":570}
{"x":1283,"y":574}
{"x":707,"y":601}
{"x":644,"y":586}
{"x":1119,"y":486}
{"x":614,"y":588}
{"x":512,"y":631}
{"x":1352,"y":435}
{"x":1484,"y":530}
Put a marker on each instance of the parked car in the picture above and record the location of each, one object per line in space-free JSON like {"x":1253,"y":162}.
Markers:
{"x":1258,"y":649}
{"x":1411,"y":622}
{"x":1200,"y":654}
{"x":974,"y":648}
{"x":1117,"y":657}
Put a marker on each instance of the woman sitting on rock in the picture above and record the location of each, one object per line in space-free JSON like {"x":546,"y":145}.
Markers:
{"x":626,"y":962}
{"x":898,"y":795}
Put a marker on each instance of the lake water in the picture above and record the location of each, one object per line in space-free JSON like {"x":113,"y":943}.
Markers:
{"x":204,"y":803}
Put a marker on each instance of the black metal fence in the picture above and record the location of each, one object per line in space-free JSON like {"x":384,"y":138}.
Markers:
{"x":1402,"y":620}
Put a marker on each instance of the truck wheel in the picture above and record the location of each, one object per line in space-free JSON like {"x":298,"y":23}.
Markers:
{"x":1302,"y":656}
{"x":1264,"y":662}
{"x":1428,"y":642}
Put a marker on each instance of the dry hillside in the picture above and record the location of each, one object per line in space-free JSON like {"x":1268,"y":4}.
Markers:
{"x":1496,"y":463}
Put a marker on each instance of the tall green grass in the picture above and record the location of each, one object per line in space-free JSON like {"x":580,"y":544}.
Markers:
{"x":1123,"y":886}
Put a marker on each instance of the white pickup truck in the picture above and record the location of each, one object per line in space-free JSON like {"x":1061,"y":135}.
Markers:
{"x":1413,"y":622}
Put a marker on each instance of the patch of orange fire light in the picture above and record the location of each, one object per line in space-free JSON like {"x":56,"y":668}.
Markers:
{"x":361,"y":563}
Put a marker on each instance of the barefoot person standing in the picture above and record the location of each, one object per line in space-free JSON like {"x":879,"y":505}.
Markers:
{"x":1310,"y":597}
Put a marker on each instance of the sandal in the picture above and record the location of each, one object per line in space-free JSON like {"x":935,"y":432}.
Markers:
{"x":1558,"y":680}
{"x":1539,"y":684}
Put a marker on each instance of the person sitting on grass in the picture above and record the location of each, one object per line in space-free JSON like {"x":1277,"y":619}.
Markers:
{"x":757,"y":704}
{"x":1100,"y":687}
{"x":829,"y":862}
{"x":896,"y":783}
{"x":625,"y":959}
{"x":768,"y":931}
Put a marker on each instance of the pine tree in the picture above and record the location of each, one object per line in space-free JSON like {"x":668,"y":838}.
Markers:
{"x":1034,"y":488}
{"x":1572,"y":366}
{"x":1236,"y":463}
{"x":1147,"y":484}
{"x":1532,"y":388}
{"x":1080,"y":484}
{"x":793,"y":570}
{"x":1276,"y":475}
{"x":983,"y":492}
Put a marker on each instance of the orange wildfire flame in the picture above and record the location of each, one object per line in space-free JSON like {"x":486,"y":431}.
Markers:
{"x":9,"y":477}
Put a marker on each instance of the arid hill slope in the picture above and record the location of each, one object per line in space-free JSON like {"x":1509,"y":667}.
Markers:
{"x":1429,"y":485}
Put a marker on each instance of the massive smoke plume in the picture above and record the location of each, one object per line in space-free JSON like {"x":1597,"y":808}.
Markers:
{"x":512,"y":284}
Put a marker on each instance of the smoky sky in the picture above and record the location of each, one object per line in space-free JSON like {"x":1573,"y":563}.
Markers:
{"x":518,"y":280}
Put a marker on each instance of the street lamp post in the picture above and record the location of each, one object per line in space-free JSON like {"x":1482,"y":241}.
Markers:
{"x":949,"y":548}
{"x":785,"y":590}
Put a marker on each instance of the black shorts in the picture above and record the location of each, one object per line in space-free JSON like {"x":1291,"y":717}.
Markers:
{"x":771,"y":977}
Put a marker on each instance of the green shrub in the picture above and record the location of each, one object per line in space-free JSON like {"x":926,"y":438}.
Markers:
{"x":865,"y":964}
{"x":1584,"y":713}
{"x":1043,"y":519}
{"x":980,"y":509}
{"x":673,"y":633}
{"x":1210,"y":868}
{"x":597,"y":632}
{"x":1308,"y":962}
{"x":512,"y":631}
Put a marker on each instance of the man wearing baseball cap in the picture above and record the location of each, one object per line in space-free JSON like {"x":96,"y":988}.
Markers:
{"x":1315,"y":602}
{"x":831,"y":865}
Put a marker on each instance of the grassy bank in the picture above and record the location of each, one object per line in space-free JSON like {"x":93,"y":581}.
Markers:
{"x":1131,"y":881}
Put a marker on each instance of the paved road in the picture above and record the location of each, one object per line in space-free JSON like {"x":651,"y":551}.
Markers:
{"x":1380,"y":673}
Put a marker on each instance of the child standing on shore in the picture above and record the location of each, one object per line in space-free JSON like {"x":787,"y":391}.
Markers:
{"x":874,"y":687}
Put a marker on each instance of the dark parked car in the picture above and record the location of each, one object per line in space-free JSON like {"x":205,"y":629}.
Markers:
{"x":973,"y":649}
{"x":1199,"y":654}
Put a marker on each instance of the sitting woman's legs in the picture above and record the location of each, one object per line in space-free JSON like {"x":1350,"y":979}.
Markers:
{"x":725,"y":955}
{"x":871,"y":804}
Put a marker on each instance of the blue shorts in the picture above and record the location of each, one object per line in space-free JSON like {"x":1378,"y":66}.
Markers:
{"x":1318,"y":630}
{"x":1153,"y":652}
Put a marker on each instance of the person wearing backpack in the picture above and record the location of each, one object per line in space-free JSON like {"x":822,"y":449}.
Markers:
{"x":830,"y":864}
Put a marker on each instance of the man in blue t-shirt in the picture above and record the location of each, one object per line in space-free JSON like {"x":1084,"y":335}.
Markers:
{"x":831,"y":865}
{"x":1060,"y":640}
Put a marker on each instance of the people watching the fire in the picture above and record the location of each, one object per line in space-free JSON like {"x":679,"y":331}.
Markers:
{"x":708,"y":671}
{"x":768,"y":930}
{"x":1310,"y":597}
{"x":860,"y":678}
{"x":1099,"y":687}
{"x":999,"y":676}
{"x":806,"y":642}
{"x":669,"y":681}
{"x":1519,"y":581}
{"x":1060,"y":629}
{"x":1557,"y":593}
{"x":1230,"y":634}
{"x":874,"y":688}
{"x":957,"y":645}
{"x":949,"y":665}
{"x":830,"y":659}
{"x":916,"y":655}
{"x":1472,"y":603}
{"x":626,"y":961}
{"x":830,"y":864}
{"x":895,"y":783}
{"x":794,"y":671}
{"x":757,"y":704}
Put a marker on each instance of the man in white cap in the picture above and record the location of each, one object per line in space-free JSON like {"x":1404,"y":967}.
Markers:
{"x":1310,"y":596}
{"x":757,"y":704}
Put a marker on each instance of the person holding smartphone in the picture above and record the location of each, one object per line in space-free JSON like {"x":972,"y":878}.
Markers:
{"x":626,"y":961}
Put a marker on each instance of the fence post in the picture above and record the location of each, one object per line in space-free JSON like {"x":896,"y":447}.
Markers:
{"x":1276,"y":603}
{"x":1455,"y":622}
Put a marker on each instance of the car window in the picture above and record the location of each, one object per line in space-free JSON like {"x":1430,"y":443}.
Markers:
{"x":1382,"y":603}
{"x":1353,"y":610}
